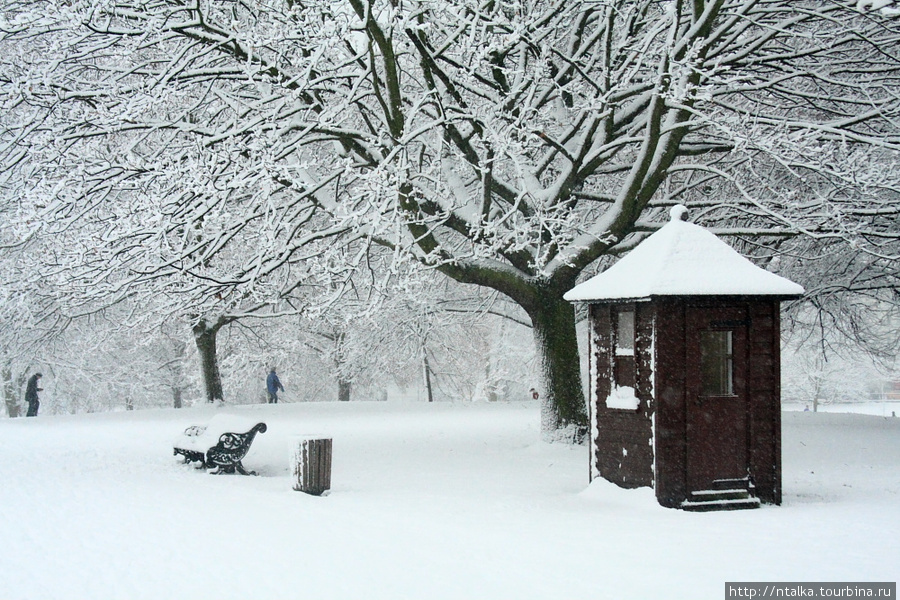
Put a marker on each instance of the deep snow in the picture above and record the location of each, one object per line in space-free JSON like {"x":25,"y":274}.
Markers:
{"x":428,"y":502}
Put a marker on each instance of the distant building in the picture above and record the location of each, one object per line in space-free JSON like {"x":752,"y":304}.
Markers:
{"x":893,"y":391}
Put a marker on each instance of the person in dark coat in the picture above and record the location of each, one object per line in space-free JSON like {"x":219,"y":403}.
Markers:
{"x":31,"y":395}
{"x":273,"y":384}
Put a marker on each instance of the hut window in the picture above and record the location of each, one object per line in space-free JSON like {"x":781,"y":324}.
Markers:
{"x":624,"y":358}
{"x":716,"y":363}
{"x":625,"y":332}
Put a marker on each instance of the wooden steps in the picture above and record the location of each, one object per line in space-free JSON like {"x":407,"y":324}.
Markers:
{"x":725,"y":494}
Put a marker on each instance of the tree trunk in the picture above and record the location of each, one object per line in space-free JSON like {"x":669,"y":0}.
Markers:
{"x":344,"y":384}
{"x":426,"y":369}
{"x":179,"y":350}
{"x":344,"y":388}
{"x":489,"y":388}
{"x":205,"y":337}
{"x":563,"y":413}
{"x":11,"y":393}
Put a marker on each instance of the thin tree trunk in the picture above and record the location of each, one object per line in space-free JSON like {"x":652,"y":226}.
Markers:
{"x":179,"y":350}
{"x":426,"y":368}
{"x":10,"y":393}
{"x":205,"y":338}
{"x":344,"y":384}
{"x":344,"y":388}
{"x":490,"y":388}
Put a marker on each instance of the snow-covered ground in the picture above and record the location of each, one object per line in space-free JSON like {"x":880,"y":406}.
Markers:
{"x":880,"y":409}
{"x":428,"y":502}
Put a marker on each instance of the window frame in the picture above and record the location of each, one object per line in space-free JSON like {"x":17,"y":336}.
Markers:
{"x":624,"y":360}
{"x":722,"y":364}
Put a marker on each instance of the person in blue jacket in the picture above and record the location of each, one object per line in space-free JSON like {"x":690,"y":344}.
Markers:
{"x":273,"y":384}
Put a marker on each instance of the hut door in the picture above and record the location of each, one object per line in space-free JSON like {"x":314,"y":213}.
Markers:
{"x":717,"y":423}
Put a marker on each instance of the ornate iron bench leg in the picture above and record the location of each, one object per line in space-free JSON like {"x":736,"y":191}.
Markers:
{"x":222,"y":470}
{"x":190,"y":456}
{"x":241,"y":470}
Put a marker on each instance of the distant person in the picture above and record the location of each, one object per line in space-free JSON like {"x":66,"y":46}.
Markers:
{"x":534,"y":394}
{"x":273,"y":384}
{"x":31,"y":395}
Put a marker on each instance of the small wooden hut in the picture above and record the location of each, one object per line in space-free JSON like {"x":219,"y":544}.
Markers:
{"x":684,"y":356}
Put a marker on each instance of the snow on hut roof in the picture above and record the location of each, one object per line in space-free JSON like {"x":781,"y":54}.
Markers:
{"x":682,"y":259}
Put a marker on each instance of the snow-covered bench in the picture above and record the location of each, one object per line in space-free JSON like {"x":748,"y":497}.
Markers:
{"x":220,"y":445}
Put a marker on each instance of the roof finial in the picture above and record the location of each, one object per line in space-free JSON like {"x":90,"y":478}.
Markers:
{"x":679,"y":212}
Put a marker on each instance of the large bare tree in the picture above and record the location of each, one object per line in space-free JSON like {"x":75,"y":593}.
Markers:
{"x":511,"y":145}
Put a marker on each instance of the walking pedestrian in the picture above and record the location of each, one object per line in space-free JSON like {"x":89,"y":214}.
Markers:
{"x":31,"y":395}
{"x":273,"y":384}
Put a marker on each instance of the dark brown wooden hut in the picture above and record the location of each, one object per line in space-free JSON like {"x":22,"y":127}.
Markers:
{"x":684,"y":356}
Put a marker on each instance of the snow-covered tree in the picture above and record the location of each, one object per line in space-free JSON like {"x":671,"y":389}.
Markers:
{"x":510,"y":145}
{"x":840,"y":348}
{"x":430,"y":333}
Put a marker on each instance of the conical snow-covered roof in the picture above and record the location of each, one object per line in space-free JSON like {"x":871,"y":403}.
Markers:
{"x":682,"y":259}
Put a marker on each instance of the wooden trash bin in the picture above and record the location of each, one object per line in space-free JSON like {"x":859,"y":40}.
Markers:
{"x":311,"y":460}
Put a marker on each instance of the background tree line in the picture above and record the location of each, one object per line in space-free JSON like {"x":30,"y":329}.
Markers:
{"x":226,"y":161}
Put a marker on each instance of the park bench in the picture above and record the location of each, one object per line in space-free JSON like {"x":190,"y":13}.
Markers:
{"x":220,"y":445}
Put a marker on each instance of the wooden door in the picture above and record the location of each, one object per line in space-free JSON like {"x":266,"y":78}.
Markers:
{"x":717,"y":411}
